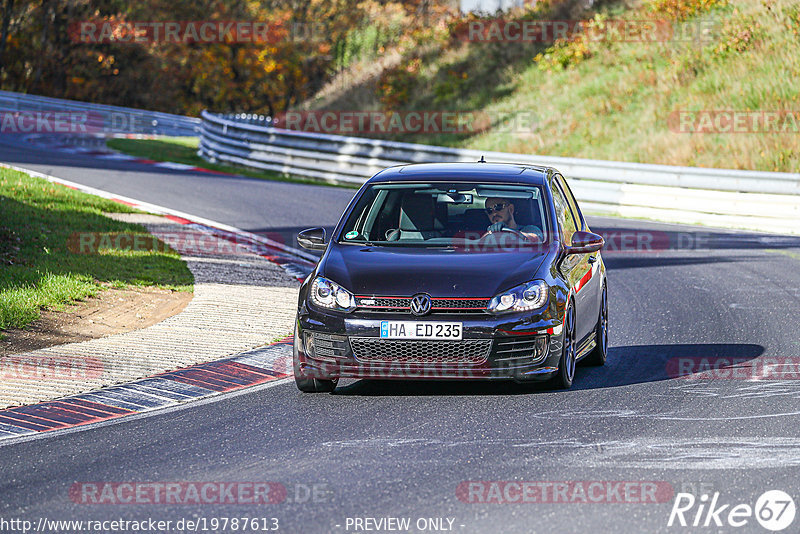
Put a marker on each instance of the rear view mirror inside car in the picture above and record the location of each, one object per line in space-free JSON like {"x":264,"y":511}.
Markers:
{"x":454,"y":198}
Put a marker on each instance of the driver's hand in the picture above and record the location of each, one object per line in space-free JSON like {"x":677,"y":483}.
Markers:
{"x":496,"y":227}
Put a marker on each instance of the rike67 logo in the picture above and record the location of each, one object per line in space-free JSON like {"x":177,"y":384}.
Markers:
{"x":774,"y":510}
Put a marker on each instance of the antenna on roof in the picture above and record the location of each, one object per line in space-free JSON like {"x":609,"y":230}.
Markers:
{"x":482,"y":160}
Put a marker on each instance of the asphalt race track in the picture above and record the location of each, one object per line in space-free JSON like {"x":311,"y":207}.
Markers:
{"x":390,"y":449}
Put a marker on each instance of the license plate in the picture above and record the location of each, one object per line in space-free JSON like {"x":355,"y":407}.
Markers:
{"x":420,"y":330}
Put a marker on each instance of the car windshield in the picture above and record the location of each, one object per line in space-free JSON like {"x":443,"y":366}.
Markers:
{"x":448,"y":215}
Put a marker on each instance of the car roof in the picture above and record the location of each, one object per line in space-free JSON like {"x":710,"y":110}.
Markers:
{"x":448,"y":172}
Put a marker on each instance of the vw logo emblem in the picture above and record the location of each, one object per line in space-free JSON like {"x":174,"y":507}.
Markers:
{"x":420,"y":304}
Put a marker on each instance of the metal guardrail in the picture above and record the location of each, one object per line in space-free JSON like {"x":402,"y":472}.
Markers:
{"x":765,"y":201}
{"x":101,"y":119}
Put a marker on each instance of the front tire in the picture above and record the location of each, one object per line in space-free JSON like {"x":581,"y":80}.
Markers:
{"x":566,"y":365}
{"x":315,"y":385}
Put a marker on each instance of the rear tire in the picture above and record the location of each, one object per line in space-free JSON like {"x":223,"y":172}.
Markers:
{"x":600,"y":351}
{"x":566,"y":365}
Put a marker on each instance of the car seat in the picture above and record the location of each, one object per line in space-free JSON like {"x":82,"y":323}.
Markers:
{"x":417,"y":219}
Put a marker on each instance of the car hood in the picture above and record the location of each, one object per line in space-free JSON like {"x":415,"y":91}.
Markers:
{"x":400,"y":271}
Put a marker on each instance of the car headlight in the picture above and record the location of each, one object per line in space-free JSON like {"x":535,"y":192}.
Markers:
{"x":328,"y":294}
{"x":524,"y":297}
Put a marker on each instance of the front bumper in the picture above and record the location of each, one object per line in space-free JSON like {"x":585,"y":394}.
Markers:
{"x":329,"y":346}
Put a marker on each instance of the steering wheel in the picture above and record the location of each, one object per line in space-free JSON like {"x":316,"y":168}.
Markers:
{"x":513,"y":231}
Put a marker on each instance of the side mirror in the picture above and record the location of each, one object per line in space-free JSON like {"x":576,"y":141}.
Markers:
{"x":585,"y":243}
{"x":312,"y":239}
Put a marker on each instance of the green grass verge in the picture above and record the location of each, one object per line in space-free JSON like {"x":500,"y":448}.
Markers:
{"x":614,"y":99}
{"x":184,"y":150}
{"x":618,"y":103}
{"x":38,"y":270}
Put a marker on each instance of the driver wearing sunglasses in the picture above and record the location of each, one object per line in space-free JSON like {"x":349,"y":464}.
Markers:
{"x":501,"y":215}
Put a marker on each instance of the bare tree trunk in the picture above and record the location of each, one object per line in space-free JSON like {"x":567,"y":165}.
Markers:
{"x":289,"y":97}
{"x":61,"y":15}
{"x":37,"y":75}
{"x":8,"y":6}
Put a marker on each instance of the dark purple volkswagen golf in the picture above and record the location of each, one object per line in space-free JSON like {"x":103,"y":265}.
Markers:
{"x":454,"y":271}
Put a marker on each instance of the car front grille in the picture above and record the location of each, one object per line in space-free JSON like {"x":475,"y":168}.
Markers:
{"x":438,"y":305}
{"x":468,"y":351}
{"x":459,"y":304}
{"x":521,"y":349}
{"x":388,"y":304}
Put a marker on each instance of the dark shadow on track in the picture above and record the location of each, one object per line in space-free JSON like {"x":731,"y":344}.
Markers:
{"x":626,"y":365}
{"x":635,"y":364}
